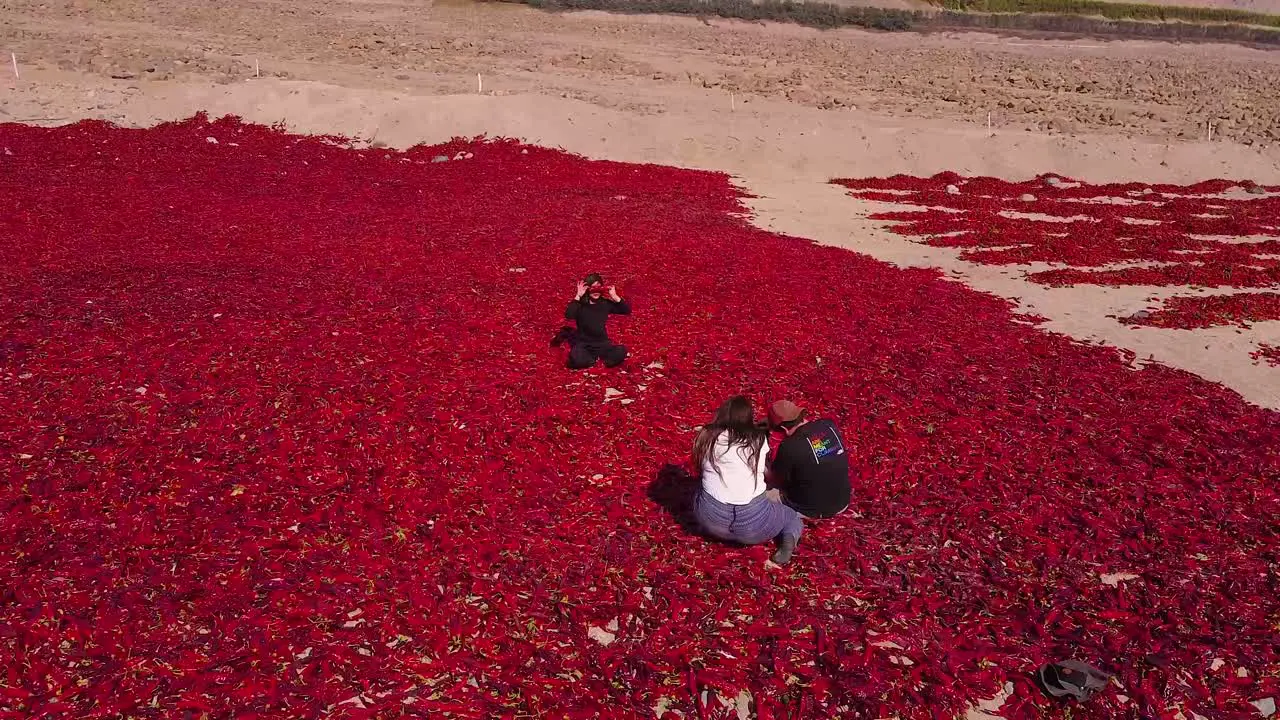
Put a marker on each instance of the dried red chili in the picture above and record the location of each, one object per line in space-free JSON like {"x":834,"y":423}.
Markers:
{"x":292,"y":442}
{"x":1210,"y":234}
{"x":1208,"y":311}
{"x":1269,"y":353}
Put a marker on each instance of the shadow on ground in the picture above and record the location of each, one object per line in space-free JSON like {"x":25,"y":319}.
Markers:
{"x":675,"y":489}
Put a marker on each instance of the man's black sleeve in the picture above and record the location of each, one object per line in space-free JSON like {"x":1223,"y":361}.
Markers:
{"x":571,"y":311}
{"x":621,"y":307}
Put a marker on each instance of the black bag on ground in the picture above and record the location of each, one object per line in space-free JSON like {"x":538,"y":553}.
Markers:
{"x":1072,"y":679}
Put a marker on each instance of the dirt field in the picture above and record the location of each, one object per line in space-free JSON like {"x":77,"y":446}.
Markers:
{"x":783,"y":108}
{"x":654,"y":65}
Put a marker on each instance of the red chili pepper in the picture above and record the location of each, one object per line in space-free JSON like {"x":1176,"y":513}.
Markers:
{"x":1269,"y":353}
{"x":290,"y":434}
{"x":695,"y":693}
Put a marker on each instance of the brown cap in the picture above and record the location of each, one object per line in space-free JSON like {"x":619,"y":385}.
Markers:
{"x":784,"y":411}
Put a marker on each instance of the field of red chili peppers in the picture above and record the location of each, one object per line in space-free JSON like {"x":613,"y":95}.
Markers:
{"x":1268,"y":353}
{"x":1216,"y":234}
{"x":285,"y":436}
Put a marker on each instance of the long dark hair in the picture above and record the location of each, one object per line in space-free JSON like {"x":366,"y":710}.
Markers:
{"x":735,"y":417}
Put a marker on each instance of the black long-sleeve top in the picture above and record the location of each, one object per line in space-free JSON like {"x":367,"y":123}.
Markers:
{"x":592,"y":316}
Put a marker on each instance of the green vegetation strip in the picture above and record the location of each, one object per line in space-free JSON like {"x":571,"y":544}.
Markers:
{"x":813,"y":14}
{"x":1116,"y":11}
{"x":1073,"y":17}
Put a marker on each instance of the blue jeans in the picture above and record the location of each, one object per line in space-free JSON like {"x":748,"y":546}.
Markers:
{"x":758,"y":521}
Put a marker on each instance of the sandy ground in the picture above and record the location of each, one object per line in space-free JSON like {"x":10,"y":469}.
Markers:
{"x":782,"y":108}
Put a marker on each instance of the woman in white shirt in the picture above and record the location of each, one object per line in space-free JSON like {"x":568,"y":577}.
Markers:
{"x":731,"y":452}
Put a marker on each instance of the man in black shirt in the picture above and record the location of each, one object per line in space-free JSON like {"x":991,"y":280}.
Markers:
{"x":590,"y":309}
{"x":811,"y":469}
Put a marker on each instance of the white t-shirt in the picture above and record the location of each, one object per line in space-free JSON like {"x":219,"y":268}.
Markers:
{"x":732,"y":481}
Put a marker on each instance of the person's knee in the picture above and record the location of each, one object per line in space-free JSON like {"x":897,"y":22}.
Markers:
{"x":617,"y":354}
{"x":580,"y":358}
{"x":795,"y":526}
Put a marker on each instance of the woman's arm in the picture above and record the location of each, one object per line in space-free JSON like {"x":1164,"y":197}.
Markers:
{"x":618,"y":306}
{"x":571,"y":310}
{"x":775,"y":477}
{"x":779,"y":469}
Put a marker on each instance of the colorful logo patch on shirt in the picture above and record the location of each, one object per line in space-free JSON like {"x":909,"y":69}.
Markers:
{"x":824,"y":444}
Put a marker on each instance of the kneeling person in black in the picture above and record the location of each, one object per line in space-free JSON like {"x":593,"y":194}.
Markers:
{"x":591,"y":309}
{"x":811,"y":469}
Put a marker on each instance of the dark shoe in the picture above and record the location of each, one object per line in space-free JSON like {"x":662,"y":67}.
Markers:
{"x":565,"y":335}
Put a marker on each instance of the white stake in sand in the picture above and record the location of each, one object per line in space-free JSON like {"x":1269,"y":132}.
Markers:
{"x":479,"y":84}
{"x":1209,"y":124}
{"x":988,"y":122}
{"x":732,"y":104}
{"x":255,"y":67}
{"x":14,"y":58}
